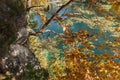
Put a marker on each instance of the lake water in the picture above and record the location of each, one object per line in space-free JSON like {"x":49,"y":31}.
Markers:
{"x":80,"y":26}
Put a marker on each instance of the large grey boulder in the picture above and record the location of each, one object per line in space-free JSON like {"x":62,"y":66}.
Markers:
{"x":23,"y":64}
{"x":18,"y":58}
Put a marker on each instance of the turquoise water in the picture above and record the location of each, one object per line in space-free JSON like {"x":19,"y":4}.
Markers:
{"x":76,"y":27}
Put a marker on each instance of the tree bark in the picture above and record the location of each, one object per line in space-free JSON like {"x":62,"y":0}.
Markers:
{"x":12,"y":18}
{"x":14,"y":56}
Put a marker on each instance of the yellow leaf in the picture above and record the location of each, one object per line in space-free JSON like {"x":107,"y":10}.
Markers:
{"x":117,"y":29}
{"x":44,"y":19}
{"x":116,"y":7}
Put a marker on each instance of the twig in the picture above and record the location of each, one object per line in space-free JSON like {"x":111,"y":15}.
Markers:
{"x":50,"y":19}
{"x":28,"y":9}
{"x":43,"y":31}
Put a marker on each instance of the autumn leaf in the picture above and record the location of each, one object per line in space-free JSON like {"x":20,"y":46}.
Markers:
{"x":116,"y":7}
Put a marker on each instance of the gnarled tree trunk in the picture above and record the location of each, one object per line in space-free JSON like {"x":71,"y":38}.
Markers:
{"x":14,"y":56}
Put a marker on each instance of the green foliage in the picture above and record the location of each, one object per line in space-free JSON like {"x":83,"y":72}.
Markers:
{"x":15,"y":7}
{"x":34,"y":74}
{"x":30,"y":73}
{"x":31,"y":22}
{"x":8,"y":77}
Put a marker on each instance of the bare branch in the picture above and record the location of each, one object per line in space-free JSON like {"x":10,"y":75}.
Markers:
{"x":50,"y":19}
{"x":28,"y":9}
{"x":44,"y":31}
